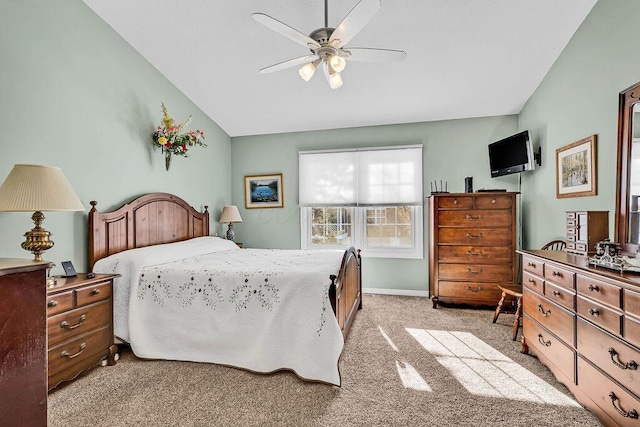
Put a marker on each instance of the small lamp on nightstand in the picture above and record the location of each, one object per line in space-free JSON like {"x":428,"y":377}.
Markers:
{"x":230,"y":214}
{"x":35,"y":188}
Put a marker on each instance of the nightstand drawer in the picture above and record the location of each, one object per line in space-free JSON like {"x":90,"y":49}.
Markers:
{"x":71,"y":323}
{"x":93,"y":293}
{"x":78,"y":350}
{"x":58,"y":303}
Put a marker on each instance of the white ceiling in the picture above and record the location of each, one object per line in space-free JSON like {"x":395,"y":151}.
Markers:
{"x":465,"y":58}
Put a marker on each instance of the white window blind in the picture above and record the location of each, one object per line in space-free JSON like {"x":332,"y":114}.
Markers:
{"x":362,"y":177}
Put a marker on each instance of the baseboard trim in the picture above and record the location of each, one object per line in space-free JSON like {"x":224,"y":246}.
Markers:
{"x":401,"y":292}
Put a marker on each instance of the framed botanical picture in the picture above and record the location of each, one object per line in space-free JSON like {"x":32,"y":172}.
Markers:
{"x":263,"y":191}
{"x":576,"y":169}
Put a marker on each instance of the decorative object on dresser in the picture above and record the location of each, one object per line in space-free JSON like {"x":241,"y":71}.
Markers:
{"x":23,"y":342}
{"x":584,"y":324}
{"x":585,"y":229}
{"x":30,"y":188}
{"x":472,"y":242}
{"x":79,"y":325}
{"x":576,"y":169}
{"x":231,"y":215}
{"x":263,"y":191}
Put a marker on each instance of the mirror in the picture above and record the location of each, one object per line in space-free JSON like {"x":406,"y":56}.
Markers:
{"x":627,"y":221}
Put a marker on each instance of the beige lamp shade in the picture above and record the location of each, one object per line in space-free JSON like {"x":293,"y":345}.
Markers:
{"x":230,"y":214}
{"x":30,"y":188}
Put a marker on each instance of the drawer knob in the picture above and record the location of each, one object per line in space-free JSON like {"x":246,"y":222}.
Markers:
{"x":632,"y":365}
{"x":593,"y":312}
{"x":470,"y":271}
{"x":474,"y":253}
{"x":531,"y":281}
{"x":556,"y":273}
{"x":473,"y":218}
{"x":95,"y":292}
{"x":627,"y":414}
{"x":455,"y":201}
{"x":72,"y":356}
{"x":555,"y":293}
{"x":531,"y":264}
{"x":543,"y":342}
{"x":478,"y":289}
{"x":593,"y":288}
{"x":493,"y":201}
{"x":472,"y":236}
{"x":65,"y":324}
{"x":542,"y":311}
{"x":52,"y":303}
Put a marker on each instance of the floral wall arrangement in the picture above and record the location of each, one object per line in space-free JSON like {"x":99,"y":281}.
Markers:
{"x":175,"y":139}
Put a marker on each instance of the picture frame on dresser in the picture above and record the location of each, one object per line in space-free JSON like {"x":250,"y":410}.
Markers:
{"x":576,"y":169}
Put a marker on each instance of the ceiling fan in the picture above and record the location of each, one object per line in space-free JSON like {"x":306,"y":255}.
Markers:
{"x":328,"y":45}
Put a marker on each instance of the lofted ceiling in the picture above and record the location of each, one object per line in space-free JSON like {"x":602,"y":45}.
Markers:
{"x":465,"y":58}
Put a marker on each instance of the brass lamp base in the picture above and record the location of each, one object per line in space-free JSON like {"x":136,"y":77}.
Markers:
{"x":37,"y":239}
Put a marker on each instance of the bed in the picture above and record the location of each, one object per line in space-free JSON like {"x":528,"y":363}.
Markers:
{"x":184,"y":295}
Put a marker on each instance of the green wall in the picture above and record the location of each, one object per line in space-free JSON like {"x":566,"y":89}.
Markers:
{"x":452,"y":150}
{"x":74,"y":94}
{"x":578,"y":98}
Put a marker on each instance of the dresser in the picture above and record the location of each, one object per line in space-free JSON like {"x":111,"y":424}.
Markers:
{"x":585,"y":229}
{"x":23,"y":343}
{"x":472,"y":242}
{"x":79,"y":325}
{"x":583,"y":322}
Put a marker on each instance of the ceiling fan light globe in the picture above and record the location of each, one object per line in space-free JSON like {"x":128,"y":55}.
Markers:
{"x":307,"y":71}
{"x":335,"y":81}
{"x":337,"y":63}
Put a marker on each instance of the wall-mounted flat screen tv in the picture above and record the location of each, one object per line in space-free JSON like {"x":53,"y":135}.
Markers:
{"x":513,"y":154}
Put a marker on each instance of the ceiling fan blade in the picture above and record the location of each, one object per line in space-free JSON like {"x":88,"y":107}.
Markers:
{"x":362,"y":54}
{"x":285,"y":30}
{"x":289,"y":63}
{"x":353,"y":22}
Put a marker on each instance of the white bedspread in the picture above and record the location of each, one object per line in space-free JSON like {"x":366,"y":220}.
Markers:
{"x":205,"y":300}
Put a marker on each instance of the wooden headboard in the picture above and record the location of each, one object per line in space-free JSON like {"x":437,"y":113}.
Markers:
{"x":148,"y":220}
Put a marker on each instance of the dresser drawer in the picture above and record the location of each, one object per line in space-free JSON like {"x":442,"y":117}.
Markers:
{"x":57,"y":303}
{"x":553,"y":317}
{"x":532,"y":282}
{"x":546,"y":344}
{"x":474,"y":218}
{"x":90,"y":294}
{"x":616,"y":358}
{"x":67,"y":325}
{"x":476,"y":272}
{"x":476,"y":236}
{"x":494,"y":202}
{"x":560,"y":295}
{"x":471,"y":290}
{"x":73,"y":352}
{"x":632,"y":302}
{"x":632,"y":330}
{"x":603,"y":316}
{"x":533,"y":265}
{"x":559,"y":275}
{"x":599,"y":291}
{"x":459,"y":202}
{"x":475,"y":254}
{"x":609,"y":396}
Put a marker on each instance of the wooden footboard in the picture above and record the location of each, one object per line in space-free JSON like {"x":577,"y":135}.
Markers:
{"x":345,"y":292}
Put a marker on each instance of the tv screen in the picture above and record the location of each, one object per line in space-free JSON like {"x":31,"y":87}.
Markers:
{"x":513,"y":154}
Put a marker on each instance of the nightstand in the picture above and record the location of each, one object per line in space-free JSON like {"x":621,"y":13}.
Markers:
{"x":79,"y":325}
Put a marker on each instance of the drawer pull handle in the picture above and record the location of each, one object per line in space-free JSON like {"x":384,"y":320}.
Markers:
{"x":65,"y":324}
{"x":72,"y":356}
{"x":531,"y":264}
{"x":478,"y":289}
{"x":531,"y":281}
{"x":593,"y":312}
{"x":556,"y":273}
{"x":95,"y":292}
{"x":544,"y":312}
{"x":473,"y":218}
{"x":543,"y":342}
{"x":629,"y":365}
{"x":474,"y":253}
{"x":455,"y":201}
{"x":593,"y":288}
{"x":470,"y":271}
{"x":493,"y":201}
{"x":471,"y":236}
{"x":627,"y":414}
{"x":52,"y":303}
{"x":555,"y":293}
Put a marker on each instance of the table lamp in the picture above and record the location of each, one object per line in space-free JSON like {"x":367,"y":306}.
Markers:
{"x":230,"y":214}
{"x":35,"y":188}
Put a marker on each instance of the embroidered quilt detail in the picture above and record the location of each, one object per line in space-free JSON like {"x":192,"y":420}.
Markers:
{"x":155,"y":286}
{"x":325,"y":309}
{"x":204,"y":289}
{"x":265,"y":293}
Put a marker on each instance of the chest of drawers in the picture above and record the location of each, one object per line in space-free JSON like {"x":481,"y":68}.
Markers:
{"x":472,"y":241}
{"x":583,"y":323}
{"x":79,"y":326}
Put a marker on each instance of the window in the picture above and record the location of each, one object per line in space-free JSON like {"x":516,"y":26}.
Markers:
{"x":369,"y":198}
